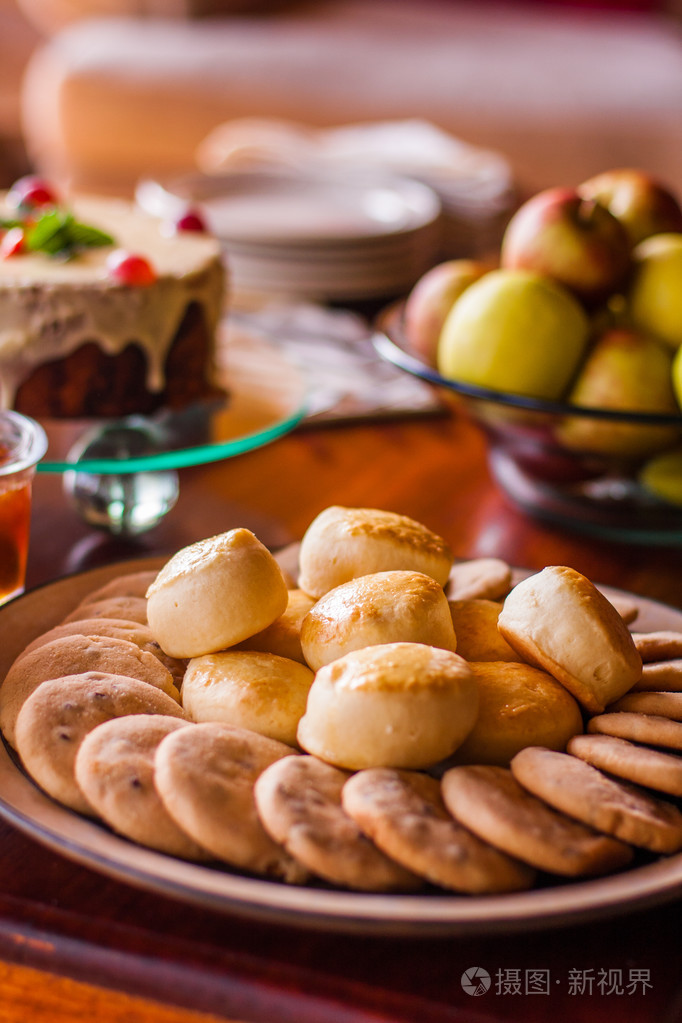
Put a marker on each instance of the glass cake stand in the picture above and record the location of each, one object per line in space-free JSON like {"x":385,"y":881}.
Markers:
{"x":122,"y":474}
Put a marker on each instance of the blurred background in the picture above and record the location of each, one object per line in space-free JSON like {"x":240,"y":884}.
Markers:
{"x":96,"y":94}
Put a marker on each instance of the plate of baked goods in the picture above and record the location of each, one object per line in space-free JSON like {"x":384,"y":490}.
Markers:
{"x":373,"y":738}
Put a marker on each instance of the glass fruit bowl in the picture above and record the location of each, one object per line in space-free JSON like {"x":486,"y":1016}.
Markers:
{"x":613,"y":474}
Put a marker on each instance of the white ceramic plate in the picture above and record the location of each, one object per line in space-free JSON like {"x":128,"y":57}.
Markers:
{"x":92,"y":845}
{"x":290,"y":209}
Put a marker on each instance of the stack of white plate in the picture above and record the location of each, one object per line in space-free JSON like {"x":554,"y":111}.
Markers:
{"x":312,"y":235}
{"x":476,"y":186}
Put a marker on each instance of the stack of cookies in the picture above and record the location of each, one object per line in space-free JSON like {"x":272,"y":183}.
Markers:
{"x":388,"y":720}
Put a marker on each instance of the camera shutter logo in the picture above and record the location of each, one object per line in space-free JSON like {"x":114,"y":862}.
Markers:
{"x":475,"y":981}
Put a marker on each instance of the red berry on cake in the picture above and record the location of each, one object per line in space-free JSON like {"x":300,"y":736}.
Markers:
{"x":127,"y":268}
{"x":190,"y":220}
{"x":12,"y":242}
{"x":31,"y":191}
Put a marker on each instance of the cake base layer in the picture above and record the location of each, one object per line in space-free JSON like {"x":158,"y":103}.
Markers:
{"x":91,"y":383}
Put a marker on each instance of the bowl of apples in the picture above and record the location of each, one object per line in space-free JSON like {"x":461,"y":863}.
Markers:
{"x":567,"y":352}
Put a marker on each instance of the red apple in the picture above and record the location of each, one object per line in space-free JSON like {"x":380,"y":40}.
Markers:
{"x":432,"y":298}
{"x":643,"y":205}
{"x":576,"y":241}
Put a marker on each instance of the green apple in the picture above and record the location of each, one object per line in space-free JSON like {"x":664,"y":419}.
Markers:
{"x":677,"y":375}
{"x":515,"y":331}
{"x":655,"y":293}
{"x":625,"y":371}
{"x":662,"y":476}
{"x":432,"y":298}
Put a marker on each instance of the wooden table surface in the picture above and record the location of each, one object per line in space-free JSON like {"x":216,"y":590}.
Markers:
{"x":75,"y":945}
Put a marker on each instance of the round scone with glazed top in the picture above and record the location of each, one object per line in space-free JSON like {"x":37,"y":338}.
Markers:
{"x":393,"y":705}
{"x":214,"y":594}
{"x":341,"y":544}
{"x":384,"y":607}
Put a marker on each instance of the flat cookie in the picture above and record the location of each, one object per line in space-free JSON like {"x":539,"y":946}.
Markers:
{"x":658,"y":646}
{"x":132,"y":584}
{"x":205,"y":777}
{"x":141,"y":635}
{"x":651,"y":729}
{"x":648,"y":767}
{"x":299,"y":803}
{"x":660,"y":676}
{"x":133,"y":632}
{"x":130,"y":609}
{"x":404,"y":814}
{"x":114,"y":770}
{"x":59,"y":714}
{"x":627,"y":608}
{"x":479,"y":579}
{"x":73,"y":655}
{"x":665,"y":705}
{"x":490,"y":802}
{"x":581,"y":791}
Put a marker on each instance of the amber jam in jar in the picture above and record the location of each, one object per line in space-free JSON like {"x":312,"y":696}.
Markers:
{"x":22,"y":445}
{"x":15,"y":516}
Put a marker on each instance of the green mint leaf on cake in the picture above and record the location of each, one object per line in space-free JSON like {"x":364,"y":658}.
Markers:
{"x":87,"y":237}
{"x":58,"y":233}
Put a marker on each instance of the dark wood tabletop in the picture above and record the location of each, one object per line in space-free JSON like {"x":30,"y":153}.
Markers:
{"x":76,"y":945}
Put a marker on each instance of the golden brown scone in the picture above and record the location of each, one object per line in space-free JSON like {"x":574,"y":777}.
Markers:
{"x":395,"y":705}
{"x":344,"y":543}
{"x":478,"y":637}
{"x":558,"y":620}
{"x":518,"y":706}
{"x":248,"y":689}
{"x":283,"y":637}
{"x":215,"y":593}
{"x":479,"y":579}
{"x":73,"y":655}
{"x":386,"y":607}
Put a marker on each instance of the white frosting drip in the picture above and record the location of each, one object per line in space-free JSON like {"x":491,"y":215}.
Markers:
{"x":49,"y":307}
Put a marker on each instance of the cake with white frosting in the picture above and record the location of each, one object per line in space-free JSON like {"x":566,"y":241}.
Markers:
{"x":81,"y":337}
